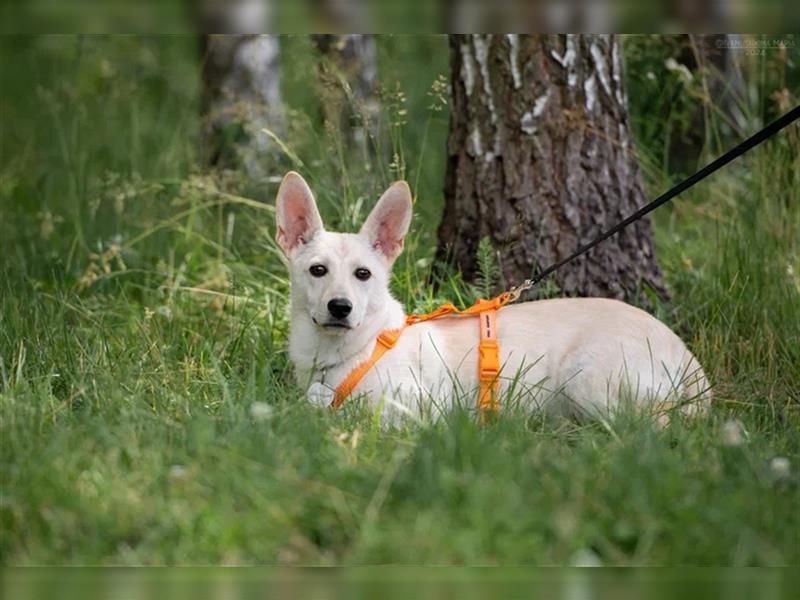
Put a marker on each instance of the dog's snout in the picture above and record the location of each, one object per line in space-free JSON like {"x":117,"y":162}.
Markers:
{"x":340,"y":307}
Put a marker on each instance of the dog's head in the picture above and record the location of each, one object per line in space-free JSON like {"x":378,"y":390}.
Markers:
{"x":339,"y":278}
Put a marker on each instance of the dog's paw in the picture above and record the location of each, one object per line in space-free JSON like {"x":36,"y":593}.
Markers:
{"x":320,"y":394}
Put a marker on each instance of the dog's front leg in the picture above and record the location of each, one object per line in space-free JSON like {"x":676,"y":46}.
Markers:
{"x":320,"y":395}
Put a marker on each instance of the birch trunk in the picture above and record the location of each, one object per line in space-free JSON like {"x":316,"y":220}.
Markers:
{"x":240,"y":97}
{"x":348,"y":72}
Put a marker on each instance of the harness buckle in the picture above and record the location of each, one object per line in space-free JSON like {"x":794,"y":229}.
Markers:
{"x":489,"y":362}
{"x":389,"y":338}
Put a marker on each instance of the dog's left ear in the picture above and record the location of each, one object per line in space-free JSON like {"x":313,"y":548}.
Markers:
{"x":387,"y":224}
{"x":296,"y":213}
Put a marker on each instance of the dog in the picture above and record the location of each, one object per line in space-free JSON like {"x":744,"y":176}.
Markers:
{"x":573,"y":356}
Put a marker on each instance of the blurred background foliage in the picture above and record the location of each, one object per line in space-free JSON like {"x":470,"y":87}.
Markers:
{"x":411,"y":16}
{"x":100,"y":133}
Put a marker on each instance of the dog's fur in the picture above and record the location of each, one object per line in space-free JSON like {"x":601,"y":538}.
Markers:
{"x":574,"y":355}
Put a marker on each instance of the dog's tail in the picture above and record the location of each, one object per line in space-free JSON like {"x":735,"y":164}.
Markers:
{"x":690,"y":396}
{"x":695,"y":387}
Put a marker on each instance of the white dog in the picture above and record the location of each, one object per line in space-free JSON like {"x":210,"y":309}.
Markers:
{"x":572,"y":355}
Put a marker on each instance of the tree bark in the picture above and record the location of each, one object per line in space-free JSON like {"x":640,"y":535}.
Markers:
{"x":540,"y":160}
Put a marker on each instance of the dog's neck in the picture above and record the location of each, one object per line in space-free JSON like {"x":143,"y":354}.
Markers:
{"x":322,"y":356}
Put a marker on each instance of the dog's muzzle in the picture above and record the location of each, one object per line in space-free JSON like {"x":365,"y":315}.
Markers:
{"x":339,"y":310}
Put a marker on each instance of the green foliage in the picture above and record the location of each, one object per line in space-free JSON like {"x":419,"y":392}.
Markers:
{"x":147,"y":409}
{"x":488,"y":269}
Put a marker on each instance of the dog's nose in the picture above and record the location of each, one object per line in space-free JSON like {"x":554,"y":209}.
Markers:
{"x":340,"y":307}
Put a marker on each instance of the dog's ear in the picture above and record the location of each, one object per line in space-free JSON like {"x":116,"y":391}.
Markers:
{"x":296,"y":213}
{"x":387,"y":224}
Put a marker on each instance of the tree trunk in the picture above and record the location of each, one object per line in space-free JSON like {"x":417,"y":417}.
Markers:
{"x":540,"y":160}
{"x":348,"y":73}
{"x":709,"y":57}
{"x":240,"y":97}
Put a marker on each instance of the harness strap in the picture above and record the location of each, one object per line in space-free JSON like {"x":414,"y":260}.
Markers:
{"x":385,"y":342}
{"x":488,"y":362}
{"x":488,"y":349}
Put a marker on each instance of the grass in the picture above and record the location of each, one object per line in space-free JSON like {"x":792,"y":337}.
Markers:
{"x":148,"y":413}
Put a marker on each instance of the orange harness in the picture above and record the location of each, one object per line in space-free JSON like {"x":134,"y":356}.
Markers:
{"x":488,"y":349}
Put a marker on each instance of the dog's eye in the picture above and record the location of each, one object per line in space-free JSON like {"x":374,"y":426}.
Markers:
{"x":318,"y":270}
{"x":363,"y":274}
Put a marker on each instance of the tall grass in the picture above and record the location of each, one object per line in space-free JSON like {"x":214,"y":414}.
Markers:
{"x":148,"y":412}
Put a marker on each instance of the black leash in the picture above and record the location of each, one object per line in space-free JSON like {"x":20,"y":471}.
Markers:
{"x":710,"y":168}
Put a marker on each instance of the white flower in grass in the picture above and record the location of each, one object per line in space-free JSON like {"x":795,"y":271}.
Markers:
{"x":177,"y":473}
{"x":733,"y":433}
{"x":682,"y":70}
{"x":261,"y":411}
{"x":585,"y":557}
{"x":780,"y":467}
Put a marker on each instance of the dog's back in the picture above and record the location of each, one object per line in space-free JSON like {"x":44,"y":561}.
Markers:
{"x":572,"y":355}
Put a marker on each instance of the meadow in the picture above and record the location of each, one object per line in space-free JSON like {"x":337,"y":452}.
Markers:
{"x":148,"y":413}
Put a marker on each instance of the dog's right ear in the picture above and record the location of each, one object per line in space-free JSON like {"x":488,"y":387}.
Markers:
{"x":387,"y":224}
{"x":296,"y":213}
